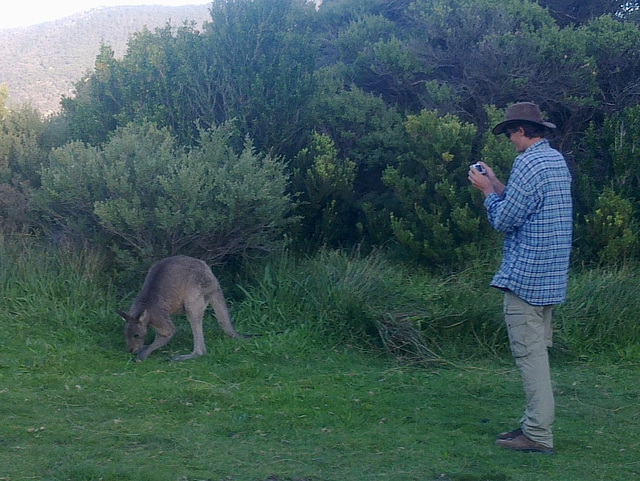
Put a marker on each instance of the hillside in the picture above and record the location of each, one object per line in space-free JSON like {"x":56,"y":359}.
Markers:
{"x":41,"y":63}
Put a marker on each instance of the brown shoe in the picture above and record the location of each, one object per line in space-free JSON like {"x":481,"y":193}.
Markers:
{"x":510,"y":434}
{"x":523,"y":444}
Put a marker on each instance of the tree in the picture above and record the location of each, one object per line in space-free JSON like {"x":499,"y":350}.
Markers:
{"x":92,"y":113}
{"x":261,"y":59}
{"x":577,"y":12}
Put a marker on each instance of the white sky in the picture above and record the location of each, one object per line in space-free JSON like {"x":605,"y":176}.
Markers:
{"x":21,"y":13}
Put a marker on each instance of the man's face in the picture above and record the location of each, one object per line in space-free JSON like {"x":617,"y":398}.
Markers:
{"x":518,"y":139}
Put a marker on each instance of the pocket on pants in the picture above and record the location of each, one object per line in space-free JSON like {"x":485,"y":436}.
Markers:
{"x":521,"y":336}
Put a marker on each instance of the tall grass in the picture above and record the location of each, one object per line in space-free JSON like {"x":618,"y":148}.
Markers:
{"x":53,"y":298}
{"x":332,"y":295}
{"x":345,"y":298}
{"x":53,"y":294}
{"x":601,"y":318}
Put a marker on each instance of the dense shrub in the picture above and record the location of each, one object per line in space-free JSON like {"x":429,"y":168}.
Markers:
{"x":431,"y":214}
{"x":146,"y":199}
{"x":379,"y":107}
{"x":326,"y":198}
{"x":21,"y":156}
{"x":607,"y":190}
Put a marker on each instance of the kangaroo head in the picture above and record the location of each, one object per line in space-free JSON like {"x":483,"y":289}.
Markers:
{"x":135,"y":331}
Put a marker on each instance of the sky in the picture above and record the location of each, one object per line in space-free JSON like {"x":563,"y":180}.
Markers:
{"x":22,"y":13}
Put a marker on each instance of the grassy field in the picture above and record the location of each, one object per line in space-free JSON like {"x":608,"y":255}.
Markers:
{"x":294,"y":406}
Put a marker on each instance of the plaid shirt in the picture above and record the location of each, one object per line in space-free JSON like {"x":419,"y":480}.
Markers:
{"x":534,"y":213}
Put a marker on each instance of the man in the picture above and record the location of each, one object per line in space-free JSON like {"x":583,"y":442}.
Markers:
{"x":534,"y":213}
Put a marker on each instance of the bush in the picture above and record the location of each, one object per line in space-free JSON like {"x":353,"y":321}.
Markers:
{"x":432,"y":215}
{"x":21,"y":156}
{"x":146,"y":199}
{"x":611,"y":230}
{"x":326,"y":195}
{"x":607,"y":187}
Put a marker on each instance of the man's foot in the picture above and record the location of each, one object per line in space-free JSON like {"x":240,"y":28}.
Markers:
{"x":523,"y":444}
{"x":510,"y":434}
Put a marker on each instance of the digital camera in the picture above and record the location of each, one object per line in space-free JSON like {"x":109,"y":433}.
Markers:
{"x":479,"y":168}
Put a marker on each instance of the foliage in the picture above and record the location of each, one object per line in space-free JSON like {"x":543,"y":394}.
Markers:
{"x":337,"y":296}
{"x":91,"y":113}
{"x":598,"y":319}
{"x":363,"y":128}
{"x":613,"y":46}
{"x":147,"y":199}
{"x":497,"y":151}
{"x":333,"y":91}
{"x":4,"y":94}
{"x":433,"y":219}
{"x":21,"y":156}
{"x":623,"y":132}
{"x":262,"y":65}
{"x":325,"y":183}
{"x":368,"y":133}
{"x":567,"y":12}
{"x":608,"y":203}
{"x":494,"y":52}
{"x":20,"y":152}
{"x":252,"y":65}
{"x":414,"y":315}
{"x":611,"y":230}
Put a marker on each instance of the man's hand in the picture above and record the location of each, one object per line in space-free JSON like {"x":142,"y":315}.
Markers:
{"x":482,"y":182}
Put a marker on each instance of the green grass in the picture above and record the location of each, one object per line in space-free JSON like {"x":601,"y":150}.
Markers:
{"x":303,"y":405}
{"x":238,"y":415}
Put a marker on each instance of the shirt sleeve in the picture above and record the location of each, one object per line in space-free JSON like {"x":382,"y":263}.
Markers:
{"x":513,"y":208}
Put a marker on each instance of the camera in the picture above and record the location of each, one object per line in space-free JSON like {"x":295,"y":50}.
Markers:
{"x":479,"y":168}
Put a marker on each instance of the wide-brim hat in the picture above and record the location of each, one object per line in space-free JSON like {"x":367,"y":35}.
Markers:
{"x":521,"y":112}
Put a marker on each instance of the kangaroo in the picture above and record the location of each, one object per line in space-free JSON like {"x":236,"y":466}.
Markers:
{"x":174,"y":285}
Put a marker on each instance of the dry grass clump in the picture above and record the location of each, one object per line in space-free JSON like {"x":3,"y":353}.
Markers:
{"x":401,"y":338}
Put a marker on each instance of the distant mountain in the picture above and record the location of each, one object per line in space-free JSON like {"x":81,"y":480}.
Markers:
{"x":41,"y":63}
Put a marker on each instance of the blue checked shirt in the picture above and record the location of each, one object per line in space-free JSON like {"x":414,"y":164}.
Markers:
{"x":535,"y":215}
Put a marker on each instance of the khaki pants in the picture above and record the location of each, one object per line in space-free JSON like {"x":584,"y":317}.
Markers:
{"x":529,"y":329}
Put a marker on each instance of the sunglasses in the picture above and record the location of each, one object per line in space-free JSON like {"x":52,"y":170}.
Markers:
{"x":509,"y":133}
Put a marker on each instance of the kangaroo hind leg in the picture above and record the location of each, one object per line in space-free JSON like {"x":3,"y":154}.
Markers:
{"x":194,"y":308}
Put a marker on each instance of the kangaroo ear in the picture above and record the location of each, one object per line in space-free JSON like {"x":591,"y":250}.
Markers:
{"x":123,"y":315}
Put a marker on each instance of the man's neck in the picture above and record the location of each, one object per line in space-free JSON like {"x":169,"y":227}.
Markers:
{"x":528,"y":142}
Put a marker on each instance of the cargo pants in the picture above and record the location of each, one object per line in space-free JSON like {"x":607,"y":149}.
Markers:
{"x":530,"y":335}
